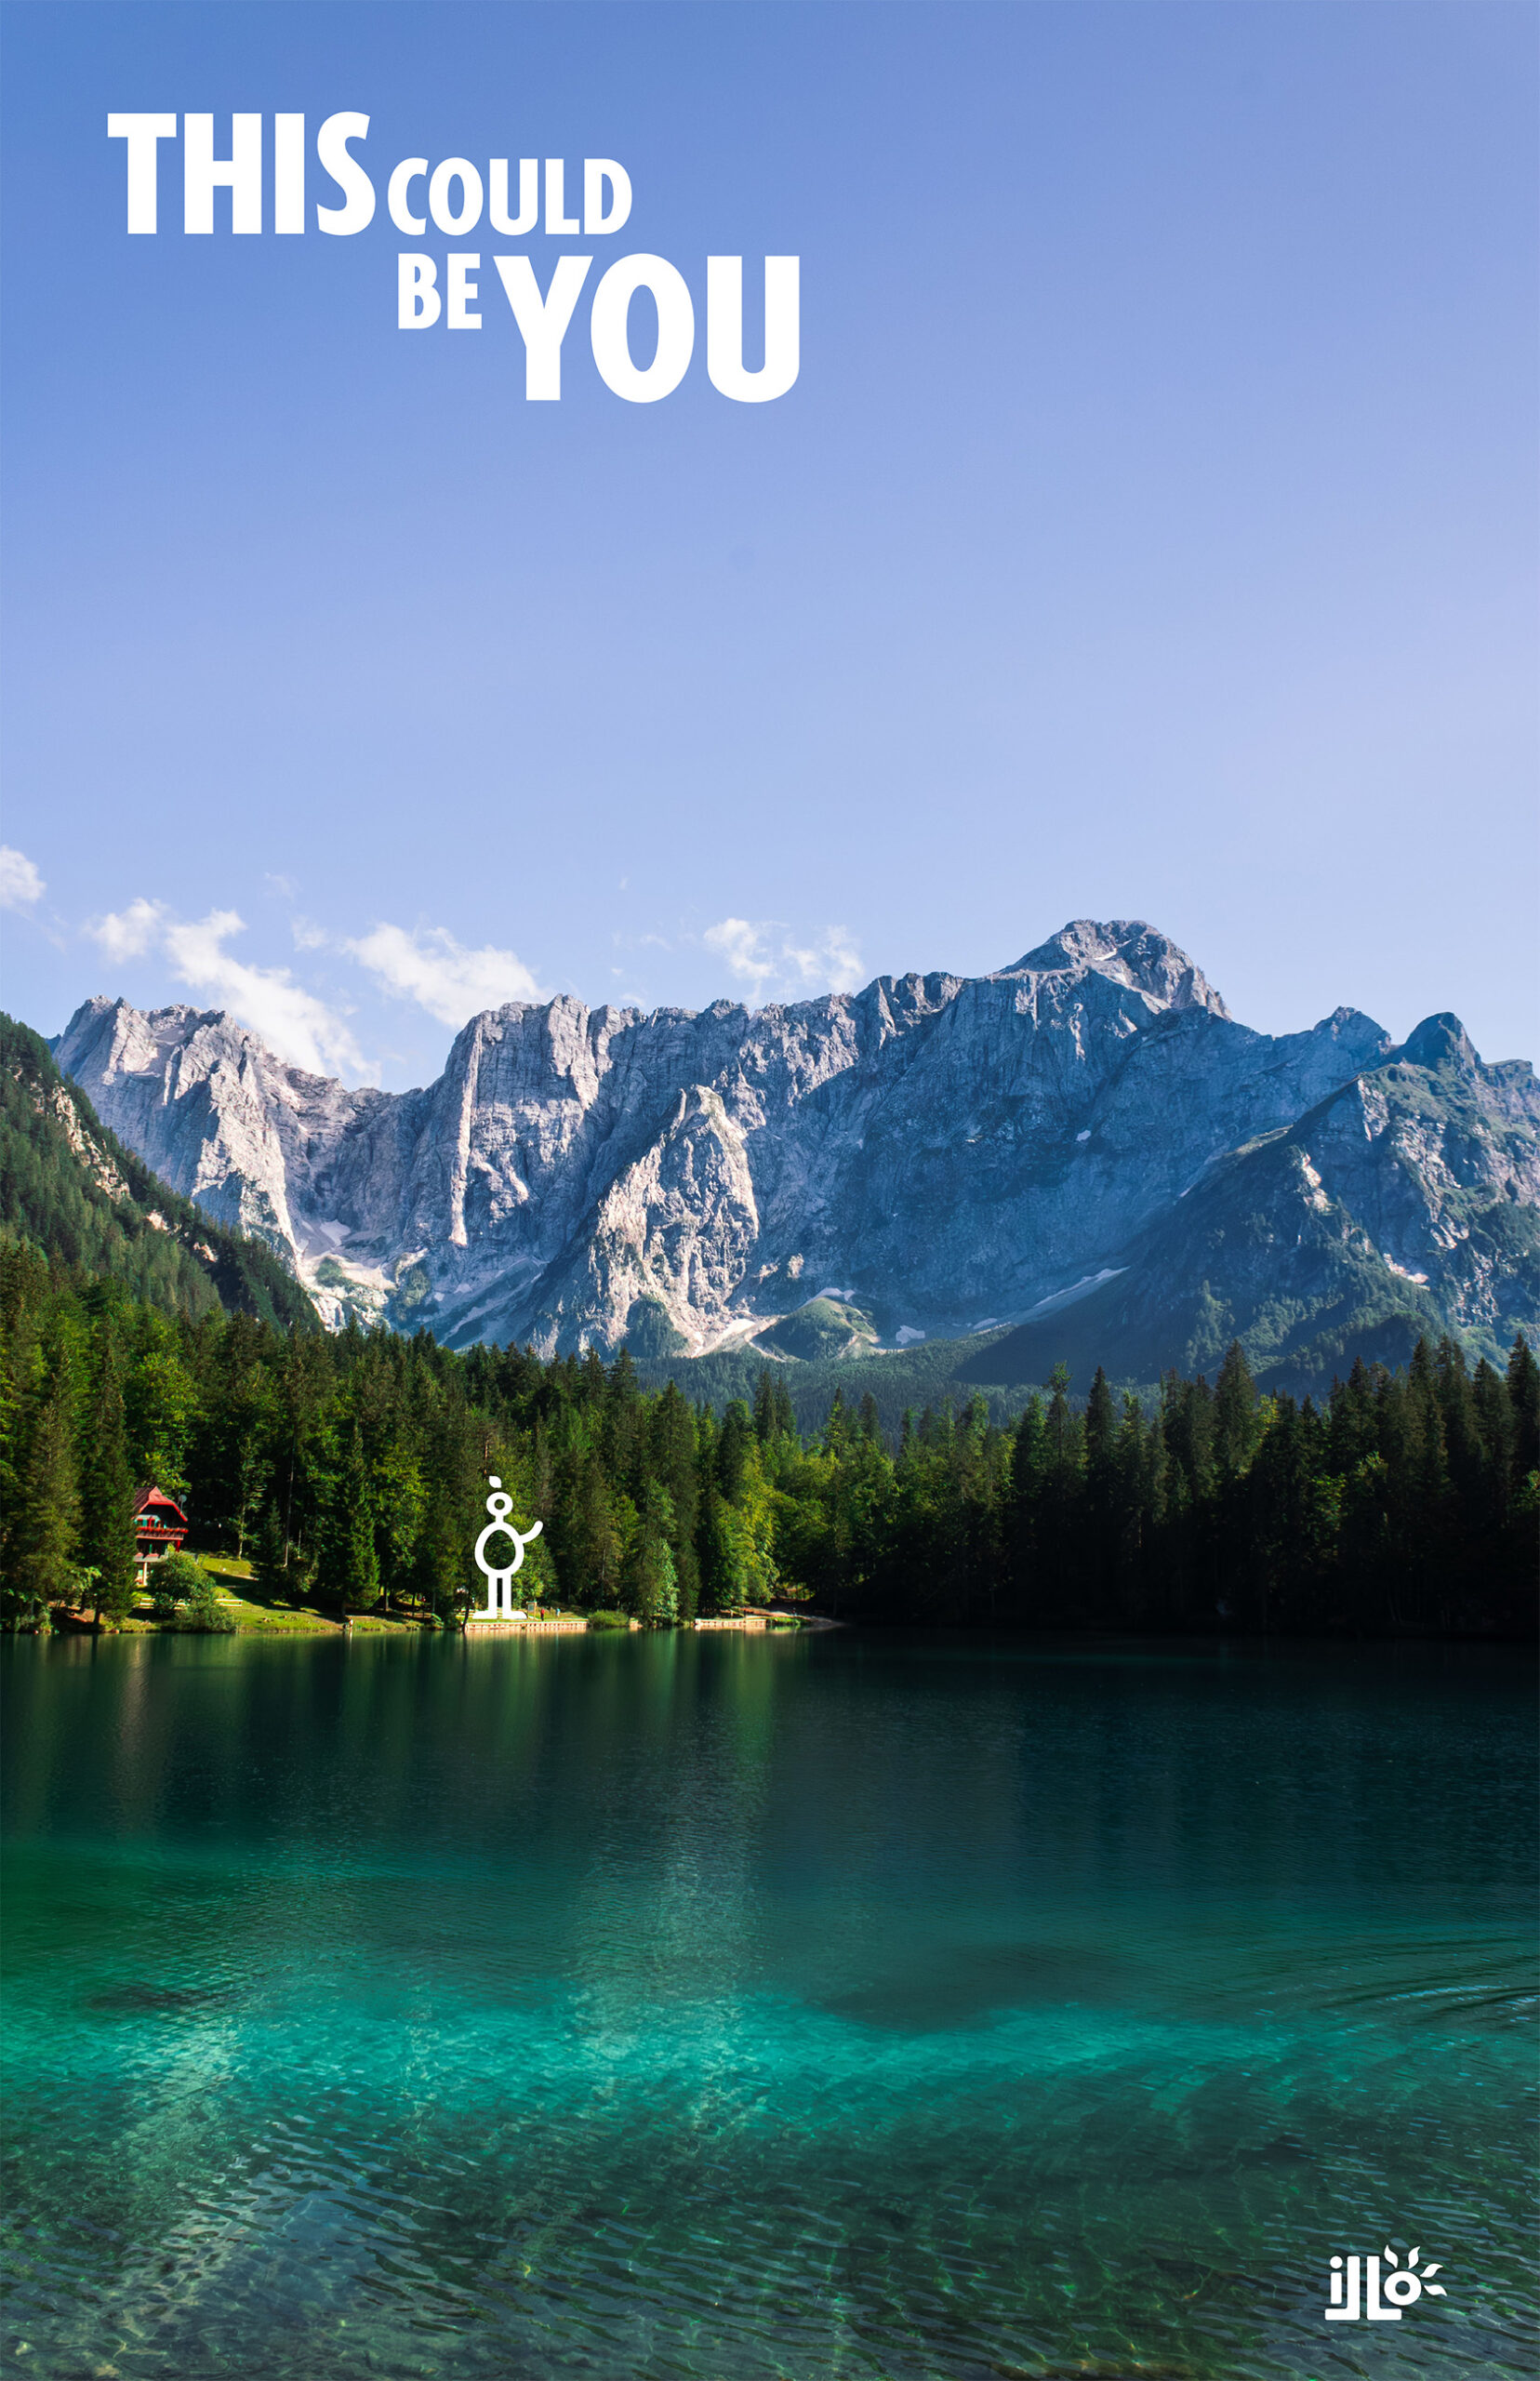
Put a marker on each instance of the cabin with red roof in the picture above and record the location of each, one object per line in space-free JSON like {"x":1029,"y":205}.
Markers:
{"x":160,"y":1526}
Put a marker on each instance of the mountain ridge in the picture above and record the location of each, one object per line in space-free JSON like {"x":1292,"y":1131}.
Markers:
{"x":939,"y":1152}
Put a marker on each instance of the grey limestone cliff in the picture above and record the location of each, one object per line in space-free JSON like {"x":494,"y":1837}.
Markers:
{"x":937,"y":1152}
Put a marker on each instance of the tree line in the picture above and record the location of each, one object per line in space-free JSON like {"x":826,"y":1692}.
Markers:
{"x":353,"y":1470}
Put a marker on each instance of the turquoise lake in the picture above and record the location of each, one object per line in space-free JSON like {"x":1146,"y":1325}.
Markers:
{"x":841,"y":2005}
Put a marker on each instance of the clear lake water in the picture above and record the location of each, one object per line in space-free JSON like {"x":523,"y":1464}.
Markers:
{"x":837,"y":2008}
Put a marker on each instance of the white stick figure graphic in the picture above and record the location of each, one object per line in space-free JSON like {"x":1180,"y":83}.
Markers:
{"x":500,"y":1583}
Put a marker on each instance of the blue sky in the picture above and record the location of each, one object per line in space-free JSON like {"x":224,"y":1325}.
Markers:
{"x":1151,"y":531}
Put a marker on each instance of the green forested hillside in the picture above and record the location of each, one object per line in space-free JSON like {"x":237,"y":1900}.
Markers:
{"x":355,"y":1467}
{"x":69,"y":1189}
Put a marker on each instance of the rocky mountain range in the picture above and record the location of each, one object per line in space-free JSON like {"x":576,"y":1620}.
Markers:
{"x":1084,"y":1142}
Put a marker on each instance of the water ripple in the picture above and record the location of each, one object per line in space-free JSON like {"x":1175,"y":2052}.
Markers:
{"x":548,"y":2024}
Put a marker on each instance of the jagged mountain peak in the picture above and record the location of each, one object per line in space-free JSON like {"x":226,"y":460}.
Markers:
{"x":1439,"y":1041}
{"x":172,"y":1013}
{"x":1127,"y":950}
{"x":131,"y":1030}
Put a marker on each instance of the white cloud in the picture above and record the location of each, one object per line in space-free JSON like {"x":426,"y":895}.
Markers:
{"x":833,"y":963}
{"x":295,"y":1024}
{"x":760,"y":953}
{"x":20,"y":884}
{"x":743,"y":947}
{"x":128,"y":934}
{"x":431,"y":967}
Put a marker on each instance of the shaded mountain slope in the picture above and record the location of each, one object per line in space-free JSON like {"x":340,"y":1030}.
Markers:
{"x":1405,"y":1204}
{"x":68,"y":1187}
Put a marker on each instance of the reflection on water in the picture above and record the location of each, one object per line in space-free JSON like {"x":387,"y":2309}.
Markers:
{"x":719,"y":2007}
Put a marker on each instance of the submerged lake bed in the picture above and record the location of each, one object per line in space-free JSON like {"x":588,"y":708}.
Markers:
{"x":855,"y":2003}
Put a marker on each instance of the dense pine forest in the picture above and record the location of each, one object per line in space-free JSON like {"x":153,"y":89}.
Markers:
{"x":353,"y":1470}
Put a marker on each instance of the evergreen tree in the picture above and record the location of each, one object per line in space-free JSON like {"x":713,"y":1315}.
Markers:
{"x":270,"y":1563}
{"x":42,"y":1556}
{"x":1463,"y":1444}
{"x":1060,"y":1419}
{"x":160,"y":1399}
{"x":1135,"y":1495}
{"x":1523,"y":1388}
{"x":732,"y":1450}
{"x":723,"y":1587}
{"x":1495,"y":1420}
{"x":1355,"y":1436}
{"x":673,"y":1466}
{"x":1234,"y":1413}
{"x":651,"y":1577}
{"x":1102,"y":1520}
{"x":1029,"y":1464}
{"x":107,"y":1540}
{"x":350,"y":1564}
{"x":622,"y":1380}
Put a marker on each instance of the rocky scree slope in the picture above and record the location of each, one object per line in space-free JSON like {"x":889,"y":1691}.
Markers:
{"x":933,"y":1155}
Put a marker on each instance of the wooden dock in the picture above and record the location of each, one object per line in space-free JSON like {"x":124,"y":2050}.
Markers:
{"x":521,"y":1628}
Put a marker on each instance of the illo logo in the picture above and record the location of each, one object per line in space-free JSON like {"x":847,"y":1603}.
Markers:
{"x":1400,"y":2287}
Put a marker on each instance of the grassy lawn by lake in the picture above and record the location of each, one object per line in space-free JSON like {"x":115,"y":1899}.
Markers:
{"x":270,"y":1615}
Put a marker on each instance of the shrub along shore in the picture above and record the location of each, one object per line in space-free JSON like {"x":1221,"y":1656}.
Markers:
{"x":347,"y":1476}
